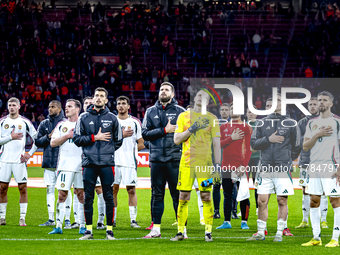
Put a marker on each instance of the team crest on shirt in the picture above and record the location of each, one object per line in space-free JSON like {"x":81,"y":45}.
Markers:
{"x":6,"y":126}
{"x":20,"y":127}
{"x":179,"y":184}
{"x":64,"y":129}
{"x":315,"y":127}
{"x":301,"y":181}
{"x":62,"y":185}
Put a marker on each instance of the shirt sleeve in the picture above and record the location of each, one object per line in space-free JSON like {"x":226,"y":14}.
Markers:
{"x":56,"y":133}
{"x":215,"y":130}
{"x":139,"y":130}
{"x":308,"y":133}
{"x":179,"y":124}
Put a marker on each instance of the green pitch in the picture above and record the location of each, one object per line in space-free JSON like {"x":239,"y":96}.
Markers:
{"x":35,"y":240}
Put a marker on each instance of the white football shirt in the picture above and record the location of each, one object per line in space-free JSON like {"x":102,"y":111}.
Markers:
{"x":69,"y":158}
{"x":12,"y":150}
{"x":126,"y":155}
{"x":326,"y":149}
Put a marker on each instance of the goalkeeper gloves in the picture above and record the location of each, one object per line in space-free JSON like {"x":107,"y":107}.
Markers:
{"x":200,"y":123}
{"x":215,"y":177}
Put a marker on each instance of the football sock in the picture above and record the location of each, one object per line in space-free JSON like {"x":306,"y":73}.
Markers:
{"x":81,"y":216}
{"x":280,"y":227}
{"x":217,"y":196}
{"x":76,"y":208}
{"x":182,"y":214}
{"x":324,"y":208}
{"x":157,"y":227}
{"x":89,"y":228}
{"x":60,"y":214}
{"x":68,"y":204}
{"x":315,"y":220}
{"x":245,"y":204}
{"x":305,"y":207}
{"x":3,"y":207}
{"x":50,"y":201}
{"x":336,"y":229}
{"x":261,"y":226}
{"x":200,"y":204}
{"x":23,"y":210}
{"x":109,"y":228}
{"x":208,"y":213}
{"x":101,"y":209}
{"x":133,"y":212}
{"x":114,"y":217}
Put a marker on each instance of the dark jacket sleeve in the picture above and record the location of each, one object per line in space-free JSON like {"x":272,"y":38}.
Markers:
{"x":80,"y":138}
{"x":117,"y":135}
{"x":148,"y":133}
{"x":42,"y":140}
{"x":258,"y":141}
{"x":296,"y":142}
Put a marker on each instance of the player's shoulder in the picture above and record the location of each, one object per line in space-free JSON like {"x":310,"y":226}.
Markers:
{"x":61,"y":123}
{"x":151,"y":108}
{"x":336,"y":117}
{"x":211,"y":115}
{"x":135,"y":120}
{"x":26,"y":120}
{"x":180,"y":108}
{"x":84,"y":115}
{"x":2,"y":119}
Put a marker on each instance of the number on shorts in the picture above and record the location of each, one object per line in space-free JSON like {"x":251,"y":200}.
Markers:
{"x":304,"y":173}
{"x":259,"y":180}
{"x":62,"y":177}
{"x":70,"y":140}
{"x":307,"y":179}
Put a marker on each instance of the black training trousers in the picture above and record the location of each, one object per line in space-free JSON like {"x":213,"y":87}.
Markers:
{"x":162,"y":173}
{"x":106,"y":175}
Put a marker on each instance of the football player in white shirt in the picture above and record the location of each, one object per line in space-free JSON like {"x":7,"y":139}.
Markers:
{"x":125,"y":157}
{"x":100,"y":202}
{"x":69,"y":165}
{"x":322,"y":138}
{"x":13,"y":131}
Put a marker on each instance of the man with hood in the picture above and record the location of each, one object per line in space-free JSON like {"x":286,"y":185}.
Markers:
{"x":158,"y":128}
{"x":50,"y":156}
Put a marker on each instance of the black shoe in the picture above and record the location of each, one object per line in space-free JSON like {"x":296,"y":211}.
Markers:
{"x":217,"y":215}
{"x":234,"y":216}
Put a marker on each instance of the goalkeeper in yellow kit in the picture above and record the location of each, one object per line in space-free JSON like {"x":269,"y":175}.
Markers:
{"x":198,"y":133}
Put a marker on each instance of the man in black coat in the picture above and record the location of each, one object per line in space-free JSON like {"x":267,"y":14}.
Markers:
{"x":158,"y":128}
{"x":50,"y":157}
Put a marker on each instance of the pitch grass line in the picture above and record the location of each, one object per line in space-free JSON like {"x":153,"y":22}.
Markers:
{"x":141,"y":238}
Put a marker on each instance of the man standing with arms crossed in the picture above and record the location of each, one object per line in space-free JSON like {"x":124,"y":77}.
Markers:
{"x":13,"y":131}
{"x":69,"y":165}
{"x":322,"y":138}
{"x":126,"y":157}
{"x":198,"y":133}
{"x":50,"y":156}
{"x":158,"y":128}
{"x":279,"y":141}
{"x":304,"y":162}
{"x":99,"y":134}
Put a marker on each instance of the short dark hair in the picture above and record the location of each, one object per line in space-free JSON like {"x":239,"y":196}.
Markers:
{"x":76,"y":102}
{"x":225,"y":104}
{"x":328,"y":94}
{"x":56,"y":102}
{"x":168,"y":84}
{"x":313,"y":98}
{"x":88,"y":97}
{"x":122,"y":98}
{"x":189,"y":106}
{"x":14,"y":100}
{"x":102,"y":90}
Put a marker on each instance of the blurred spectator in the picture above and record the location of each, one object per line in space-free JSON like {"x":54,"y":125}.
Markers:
{"x":256,"y":41}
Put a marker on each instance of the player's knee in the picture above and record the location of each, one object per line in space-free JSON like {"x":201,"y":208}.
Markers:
{"x":282,"y":201}
{"x":314,"y":202}
{"x":62,"y":195}
{"x":3,"y":190}
{"x":131,"y":192}
{"x":80,"y":196}
{"x":205,"y":196}
{"x":335,"y":201}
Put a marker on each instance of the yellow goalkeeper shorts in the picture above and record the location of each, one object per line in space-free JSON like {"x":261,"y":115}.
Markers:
{"x":187,"y":175}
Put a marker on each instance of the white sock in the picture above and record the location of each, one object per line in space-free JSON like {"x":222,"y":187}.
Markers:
{"x":101,"y":208}
{"x":261,"y":226}
{"x":200,"y":204}
{"x":3,"y":207}
{"x":81,"y":215}
{"x":158,"y":229}
{"x":324,"y":208}
{"x":133,"y":212}
{"x":60,"y":214}
{"x":305,"y":207}
{"x":68,"y":204}
{"x":76,"y":206}
{"x":50,"y":197}
{"x":280,"y":227}
{"x":23,"y":210}
{"x":315,"y":220}
{"x":115,"y":216}
{"x":336,"y":228}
